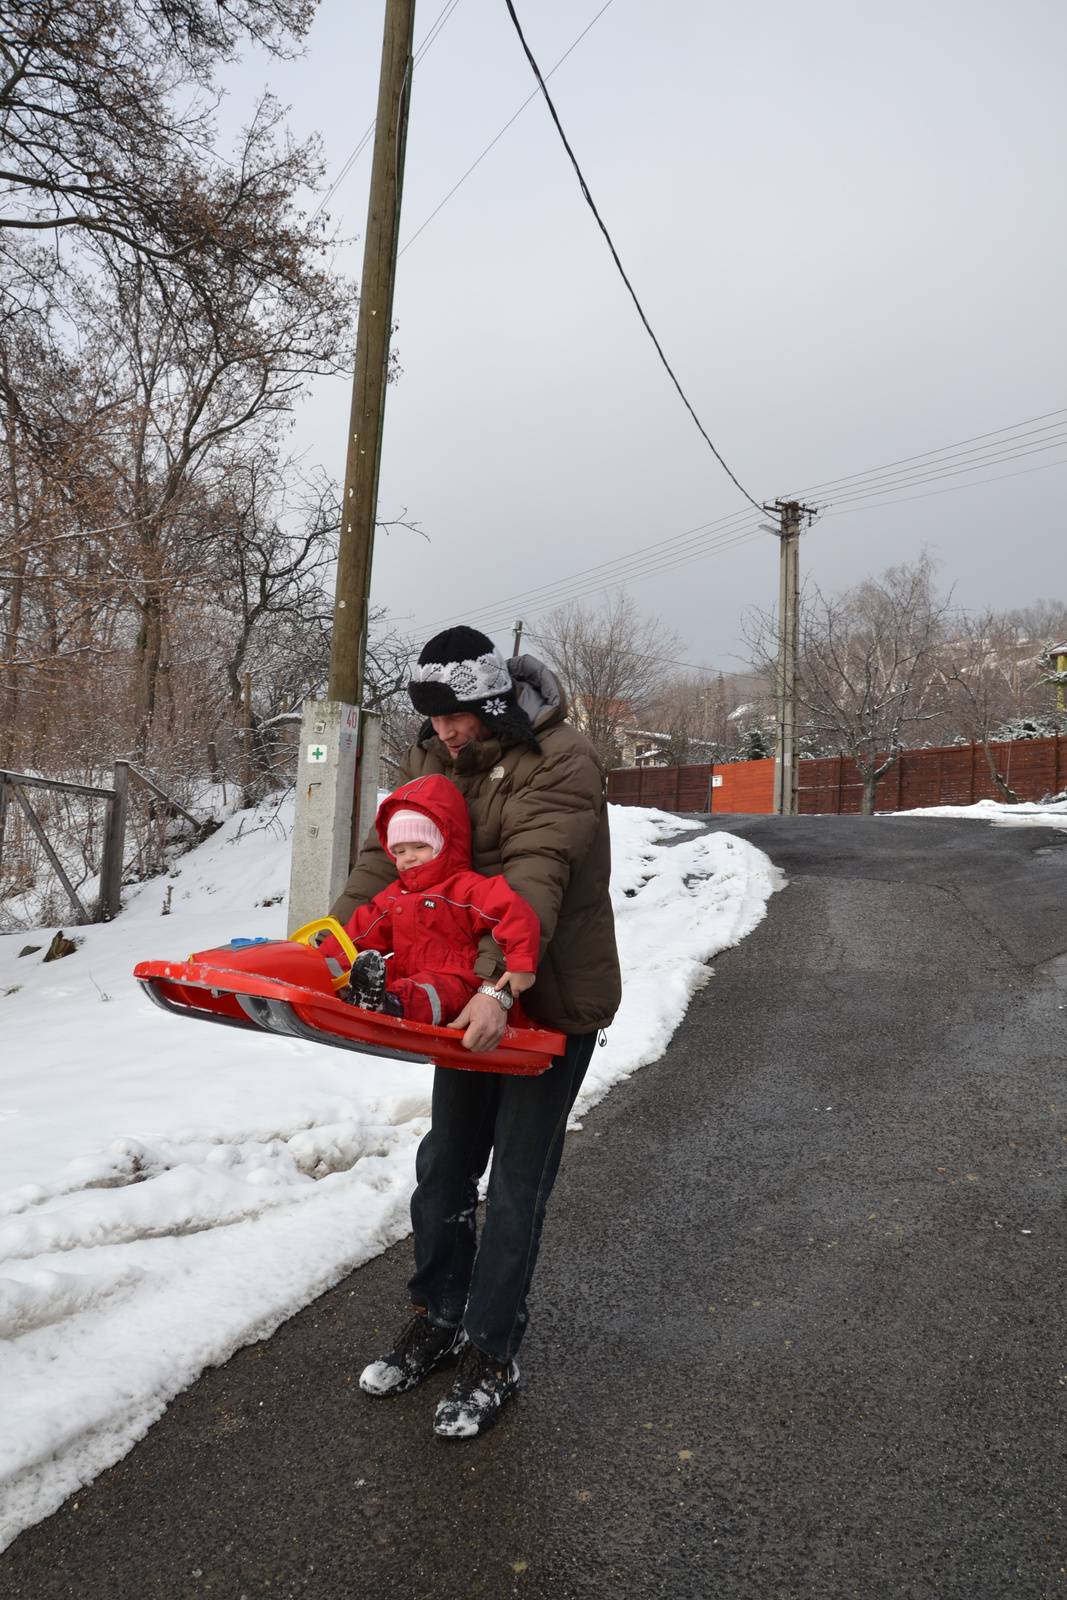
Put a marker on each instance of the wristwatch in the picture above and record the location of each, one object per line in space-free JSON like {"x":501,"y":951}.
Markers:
{"x":505,"y":996}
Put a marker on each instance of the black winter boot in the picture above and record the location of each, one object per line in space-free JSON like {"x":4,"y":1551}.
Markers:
{"x":420,"y":1347}
{"x":473,"y":1403}
{"x":366,"y":981}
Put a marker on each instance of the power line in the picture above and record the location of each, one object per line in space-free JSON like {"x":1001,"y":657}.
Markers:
{"x":707,"y":539}
{"x":744,"y":536}
{"x":697,"y":543}
{"x":435,"y":29}
{"x":1000,"y":477}
{"x":597,"y":585}
{"x":615,"y":257}
{"x":995,"y":433}
{"x":503,"y":131}
{"x":612,"y":571}
{"x":992,"y":458}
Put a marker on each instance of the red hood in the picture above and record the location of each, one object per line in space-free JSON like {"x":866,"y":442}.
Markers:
{"x":442,"y":802}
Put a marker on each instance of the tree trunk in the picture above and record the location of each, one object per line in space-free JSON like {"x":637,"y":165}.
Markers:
{"x":11,"y":670}
{"x":149,"y":653}
{"x":870,"y":791}
{"x":14,"y":604}
{"x":1009,"y":797}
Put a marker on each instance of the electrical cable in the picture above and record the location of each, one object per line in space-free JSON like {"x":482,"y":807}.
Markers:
{"x":615,"y":257}
{"x":597,"y":586}
{"x":435,"y":29}
{"x":492,"y":619}
{"x":743,"y":536}
{"x":618,"y":567}
{"x":707,"y":539}
{"x":697,"y":543}
{"x":992,"y":458}
{"x":953,"y":488}
{"x":833,"y":483}
{"x":501,"y":134}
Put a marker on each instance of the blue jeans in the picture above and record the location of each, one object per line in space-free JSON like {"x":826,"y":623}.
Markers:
{"x":522,"y":1120}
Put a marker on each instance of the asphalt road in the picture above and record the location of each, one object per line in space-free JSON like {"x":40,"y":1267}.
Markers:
{"x":797,"y":1329}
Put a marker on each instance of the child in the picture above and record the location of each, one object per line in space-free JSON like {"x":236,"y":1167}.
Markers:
{"x":429,"y":921}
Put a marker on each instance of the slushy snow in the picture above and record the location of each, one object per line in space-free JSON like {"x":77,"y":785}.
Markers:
{"x":173,"y":1190}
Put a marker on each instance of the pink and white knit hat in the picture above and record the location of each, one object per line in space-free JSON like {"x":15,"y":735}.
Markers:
{"x":414,"y":827}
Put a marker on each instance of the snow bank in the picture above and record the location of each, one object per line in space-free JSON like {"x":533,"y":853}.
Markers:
{"x":174,"y":1191}
{"x":676,"y":906}
{"x":1028,"y":814}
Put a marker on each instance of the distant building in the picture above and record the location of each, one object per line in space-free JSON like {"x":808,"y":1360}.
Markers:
{"x":637,"y":747}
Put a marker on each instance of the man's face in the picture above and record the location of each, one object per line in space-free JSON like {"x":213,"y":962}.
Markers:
{"x":459,"y":730}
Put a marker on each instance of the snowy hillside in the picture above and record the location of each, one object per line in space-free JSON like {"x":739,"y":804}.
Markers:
{"x":171,"y":1191}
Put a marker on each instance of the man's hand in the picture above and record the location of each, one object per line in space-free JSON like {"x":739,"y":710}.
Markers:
{"x":484,"y":1020}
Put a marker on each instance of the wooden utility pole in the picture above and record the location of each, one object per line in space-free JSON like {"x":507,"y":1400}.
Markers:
{"x":359,"y":506}
{"x":337,"y":762}
{"x":789,"y":513}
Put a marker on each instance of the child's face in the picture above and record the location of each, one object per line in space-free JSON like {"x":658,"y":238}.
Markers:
{"x":411,"y":855}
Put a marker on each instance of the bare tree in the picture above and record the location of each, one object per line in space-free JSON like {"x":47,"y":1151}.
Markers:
{"x":201,"y":362}
{"x":868,"y":666}
{"x":708,"y":716}
{"x":53,"y":589}
{"x":1043,"y":622}
{"x":106,"y":115}
{"x":611,"y":660}
{"x":990,"y":675}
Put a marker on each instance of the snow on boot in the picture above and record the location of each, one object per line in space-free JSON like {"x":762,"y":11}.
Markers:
{"x":366,"y":981}
{"x":473,"y":1403}
{"x":420,"y":1347}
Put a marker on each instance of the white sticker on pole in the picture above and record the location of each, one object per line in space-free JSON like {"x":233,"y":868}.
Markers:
{"x":350,"y":730}
{"x":716,"y":782}
{"x":317,"y":753}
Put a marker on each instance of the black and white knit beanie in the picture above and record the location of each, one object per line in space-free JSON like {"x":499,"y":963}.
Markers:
{"x":461,"y":670}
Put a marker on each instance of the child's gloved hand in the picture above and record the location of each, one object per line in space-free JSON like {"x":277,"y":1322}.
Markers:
{"x":517,"y":982}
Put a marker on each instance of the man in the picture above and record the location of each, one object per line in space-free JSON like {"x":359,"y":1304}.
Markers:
{"x":534,"y":787}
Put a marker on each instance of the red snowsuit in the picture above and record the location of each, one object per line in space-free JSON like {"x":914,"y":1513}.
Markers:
{"x":432,"y":917}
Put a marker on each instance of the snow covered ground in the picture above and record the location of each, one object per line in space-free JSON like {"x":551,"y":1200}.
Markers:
{"x":172,"y":1191}
{"x":1028,"y":814}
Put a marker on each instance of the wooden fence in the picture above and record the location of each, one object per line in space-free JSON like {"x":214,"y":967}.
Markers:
{"x":956,"y":775}
{"x":13,"y":785}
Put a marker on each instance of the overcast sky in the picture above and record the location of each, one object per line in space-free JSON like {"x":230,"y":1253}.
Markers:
{"x":845,"y":221}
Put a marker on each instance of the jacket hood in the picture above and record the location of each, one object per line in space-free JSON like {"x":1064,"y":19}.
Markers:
{"x":539,"y":691}
{"x":442,"y":802}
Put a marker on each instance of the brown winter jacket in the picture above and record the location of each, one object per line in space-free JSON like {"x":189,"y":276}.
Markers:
{"x":542,"y":821}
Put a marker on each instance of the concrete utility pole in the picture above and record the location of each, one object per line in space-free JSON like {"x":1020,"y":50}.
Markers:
{"x":339,"y":743}
{"x":516,"y":641}
{"x":789,"y":513}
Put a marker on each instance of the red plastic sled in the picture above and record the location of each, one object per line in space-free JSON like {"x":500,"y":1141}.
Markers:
{"x":285,"y":986}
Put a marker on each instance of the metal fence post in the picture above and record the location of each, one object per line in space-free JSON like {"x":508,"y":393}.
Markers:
{"x":114,"y":846}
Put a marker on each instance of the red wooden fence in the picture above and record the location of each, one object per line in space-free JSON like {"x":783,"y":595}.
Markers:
{"x":956,"y":775}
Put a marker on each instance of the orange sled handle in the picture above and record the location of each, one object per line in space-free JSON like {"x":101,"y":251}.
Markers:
{"x":305,"y":935}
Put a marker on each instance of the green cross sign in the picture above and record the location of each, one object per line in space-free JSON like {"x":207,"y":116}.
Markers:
{"x":317,"y":752}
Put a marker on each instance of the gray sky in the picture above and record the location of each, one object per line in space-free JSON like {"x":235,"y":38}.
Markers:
{"x":846,"y":224}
